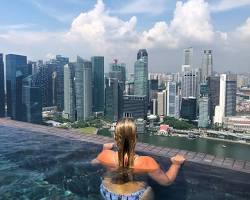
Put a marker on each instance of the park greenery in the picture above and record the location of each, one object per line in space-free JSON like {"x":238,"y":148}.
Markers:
{"x":177,"y":123}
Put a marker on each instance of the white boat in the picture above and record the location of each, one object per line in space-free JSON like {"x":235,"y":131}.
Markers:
{"x":224,"y":146}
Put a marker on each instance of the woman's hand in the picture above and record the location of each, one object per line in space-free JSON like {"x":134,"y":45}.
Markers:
{"x":178,"y":159}
{"x":108,"y":146}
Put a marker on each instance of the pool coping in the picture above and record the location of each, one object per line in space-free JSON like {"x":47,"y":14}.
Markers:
{"x":195,"y":157}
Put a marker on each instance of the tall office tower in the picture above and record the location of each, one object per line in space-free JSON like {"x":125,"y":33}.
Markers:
{"x":16,"y":70}
{"x":213,"y":83}
{"x":98,"y":83}
{"x":189,"y":83}
{"x":227,"y":101}
{"x":31,"y":101}
{"x":44,"y":80}
{"x":188,"y":108}
{"x":207,"y":65}
{"x":83,"y":84}
{"x":134,"y":106}
{"x":187,"y":59}
{"x":2,"y":85}
{"x":113,"y":99}
{"x":203,"y":120}
{"x":58,"y":76}
{"x":69,"y":111}
{"x":162,"y":103}
{"x":153,"y":88}
{"x":118,"y":71}
{"x":141,"y":73}
{"x":172,"y":100}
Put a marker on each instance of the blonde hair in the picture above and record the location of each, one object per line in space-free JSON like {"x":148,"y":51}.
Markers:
{"x":125,"y":136}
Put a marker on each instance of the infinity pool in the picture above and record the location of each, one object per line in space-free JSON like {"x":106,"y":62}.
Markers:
{"x":36,"y":165}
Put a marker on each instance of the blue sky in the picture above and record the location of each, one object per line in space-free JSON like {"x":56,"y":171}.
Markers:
{"x":117,"y":28}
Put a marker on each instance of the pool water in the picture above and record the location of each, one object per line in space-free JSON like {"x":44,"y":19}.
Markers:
{"x":35,"y":165}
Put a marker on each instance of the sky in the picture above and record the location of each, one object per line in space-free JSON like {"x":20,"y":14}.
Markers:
{"x":117,"y":29}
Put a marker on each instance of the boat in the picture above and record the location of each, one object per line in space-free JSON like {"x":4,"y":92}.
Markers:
{"x":224,"y":146}
{"x":191,"y":136}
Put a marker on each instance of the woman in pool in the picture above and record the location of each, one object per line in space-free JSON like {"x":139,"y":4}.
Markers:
{"x":125,"y":163}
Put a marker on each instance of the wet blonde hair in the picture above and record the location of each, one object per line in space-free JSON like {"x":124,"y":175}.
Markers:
{"x":125,"y":137}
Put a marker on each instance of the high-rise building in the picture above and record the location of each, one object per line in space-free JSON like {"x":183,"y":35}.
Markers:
{"x":83,"y":84}
{"x":153,"y":88}
{"x":162,"y":103}
{"x":129,"y":88}
{"x":113,"y":99}
{"x":58,"y":76}
{"x":188,"y":108}
{"x":189,"y":83}
{"x":134,"y":106}
{"x":227,"y":101}
{"x":187,"y":59}
{"x":31,"y":101}
{"x":172,"y":100}
{"x":98,"y":83}
{"x":141,"y":74}
{"x":118,"y":71}
{"x":69,"y":111}
{"x":207,"y":65}
{"x":203,"y":120}
{"x":213,"y":83}
{"x":2,"y":89}
{"x":44,"y":80}
{"x":16,"y":70}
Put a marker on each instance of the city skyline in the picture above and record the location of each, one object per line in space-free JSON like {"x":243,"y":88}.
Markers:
{"x":220,"y":25}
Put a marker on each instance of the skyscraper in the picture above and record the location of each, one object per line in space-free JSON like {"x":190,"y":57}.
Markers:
{"x":213,"y":94}
{"x":98,"y":83}
{"x":31,"y":101}
{"x":207,"y":65}
{"x":69,"y":111}
{"x":141,"y":73}
{"x":188,"y":108}
{"x":203,"y":120}
{"x":113,"y":99}
{"x":2,"y":92}
{"x":162,"y":103}
{"x":187,"y":59}
{"x":189,"y":83}
{"x":227,"y":101}
{"x":118,"y":71}
{"x":83,"y":84}
{"x":172,"y":100}
{"x":16,"y":70}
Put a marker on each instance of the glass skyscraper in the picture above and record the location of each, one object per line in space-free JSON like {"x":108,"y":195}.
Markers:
{"x":2,"y":93}
{"x":207,"y":65}
{"x":83,"y":84}
{"x":98,"y":83}
{"x":118,"y":71}
{"x":16,"y":70}
{"x":69,"y":111}
{"x":31,"y":101}
{"x":141,"y":74}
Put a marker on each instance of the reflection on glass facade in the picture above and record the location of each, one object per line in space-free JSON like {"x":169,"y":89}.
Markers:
{"x":2,"y":93}
{"x":16,"y":70}
{"x":98,"y":83}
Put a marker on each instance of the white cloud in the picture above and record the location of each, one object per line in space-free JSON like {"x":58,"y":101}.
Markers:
{"x":243,"y":32}
{"x":224,"y":5}
{"x":141,"y":6}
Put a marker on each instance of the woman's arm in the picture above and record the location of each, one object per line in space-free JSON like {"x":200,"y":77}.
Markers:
{"x":107,"y":146}
{"x":170,"y":176}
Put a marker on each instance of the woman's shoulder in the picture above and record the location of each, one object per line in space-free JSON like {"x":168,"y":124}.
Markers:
{"x":146,"y":163}
{"x":106,"y":156}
